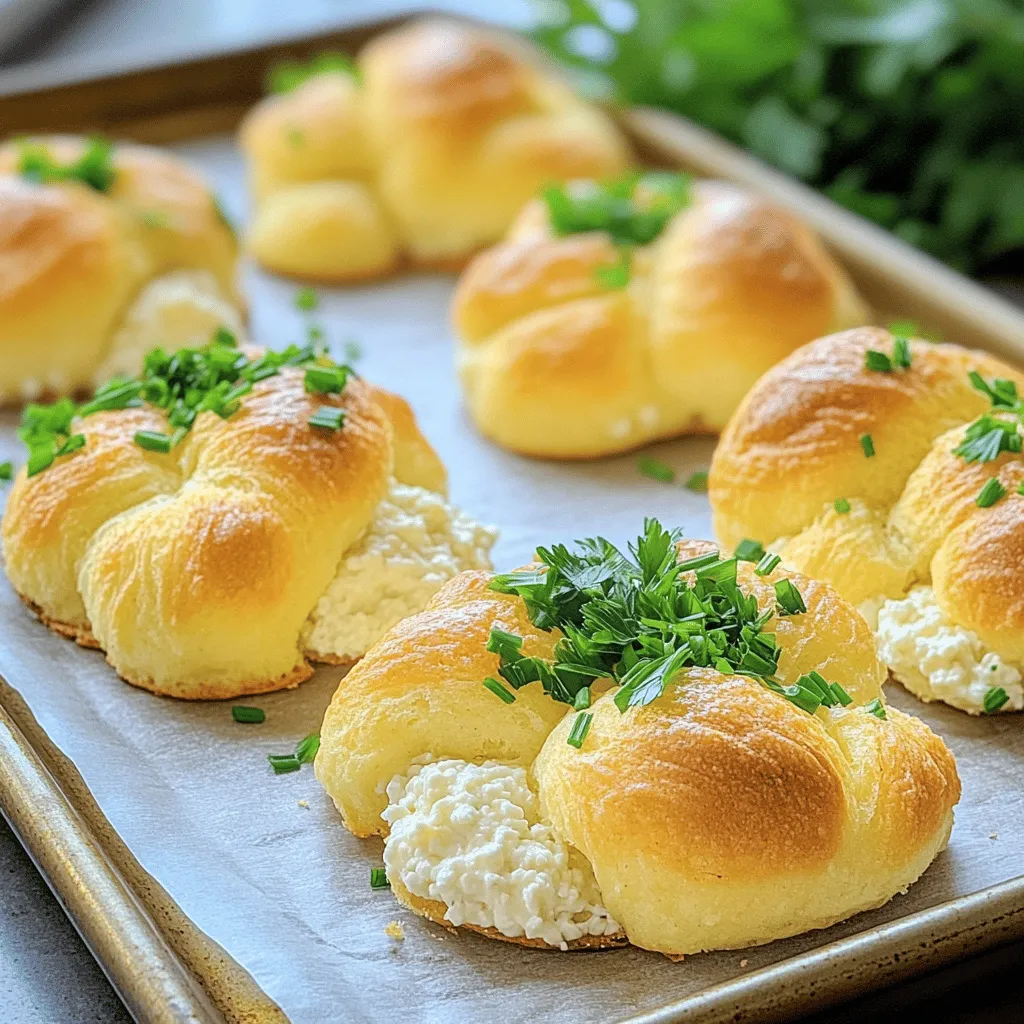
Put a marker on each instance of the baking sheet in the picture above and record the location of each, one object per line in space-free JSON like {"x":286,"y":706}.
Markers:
{"x":284,"y":888}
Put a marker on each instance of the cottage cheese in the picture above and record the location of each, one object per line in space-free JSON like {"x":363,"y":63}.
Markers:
{"x":938,"y":660}
{"x":178,"y":310}
{"x":416,"y":542}
{"x":471,"y":837}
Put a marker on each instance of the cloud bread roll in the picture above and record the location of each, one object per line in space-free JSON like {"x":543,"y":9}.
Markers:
{"x":425,"y":152}
{"x":916,"y":540}
{"x":557,"y":362}
{"x":73,"y":260}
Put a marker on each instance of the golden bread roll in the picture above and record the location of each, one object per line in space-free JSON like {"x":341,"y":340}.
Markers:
{"x":571,"y":346}
{"x":925,"y":533}
{"x":219,"y":558}
{"x":423,"y":153}
{"x":543,"y":774}
{"x":100,"y":246}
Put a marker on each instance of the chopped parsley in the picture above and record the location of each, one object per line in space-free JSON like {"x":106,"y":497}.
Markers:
{"x":841,"y":505}
{"x":990,"y":493}
{"x":633,"y":208}
{"x":93,"y":168}
{"x":749,"y":550}
{"x":639,"y":619}
{"x":214,"y":378}
{"x":290,"y":74}
{"x":867,"y":445}
{"x":655,"y":469}
{"x":991,"y":434}
{"x":994,"y":699}
{"x":698,"y":482}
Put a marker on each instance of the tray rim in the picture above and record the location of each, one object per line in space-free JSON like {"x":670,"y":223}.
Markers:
{"x":75,"y":865}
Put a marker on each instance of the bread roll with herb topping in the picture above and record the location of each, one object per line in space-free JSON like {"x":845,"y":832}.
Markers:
{"x":99,"y":245}
{"x":591,"y":330}
{"x":422,"y":151}
{"x":212,"y":558}
{"x":688,"y":807}
{"x":924,"y":534}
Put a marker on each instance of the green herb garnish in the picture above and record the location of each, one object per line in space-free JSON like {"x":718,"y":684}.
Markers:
{"x":326,"y":380}
{"x":789,"y":599}
{"x":990,"y":493}
{"x":749,"y":550}
{"x":579,"y":730}
{"x":634,"y":209}
{"x":767,"y":564}
{"x":995,"y":698}
{"x":153,"y":441}
{"x":876,"y":708}
{"x":698,"y":481}
{"x":617,"y":274}
{"x":304,"y":753}
{"x":492,"y":684}
{"x":284,"y":763}
{"x":93,"y":168}
{"x":582,"y":699}
{"x":6,"y":471}
{"x":868,"y":445}
{"x":991,"y":434}
{"x":379,"y":878}
{"x":841,"y":505}
{"x":290,"y":74}
{"x":248,"y":716}
{"x":327,"y":417}
{"x":306,"y":299}
{"x":307,"y":748}
{"x":655,"y":469}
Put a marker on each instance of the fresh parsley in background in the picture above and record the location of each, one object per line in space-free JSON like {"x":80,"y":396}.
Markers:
{"x":909,"y":112}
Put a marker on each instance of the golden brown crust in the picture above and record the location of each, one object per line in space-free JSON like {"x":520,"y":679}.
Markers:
{"x":196,"y":570}
{"x":452,"y":129}
{"x":72,"y":258}
{"x":793,"y":448}
{"x":732,"y":285}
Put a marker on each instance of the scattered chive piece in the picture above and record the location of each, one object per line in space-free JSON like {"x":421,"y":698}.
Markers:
{"x":904,"y":328}
{"x":93,"y":168}
{"x":901,"y":352}
{"x":492,"y":684}
{"x":1020,"y":487}
{"x":6,"y":471}
{"x":877,"y":361}
{"x":617,"y":274}
{"x":698,"y":481}
{"x":327,"y":417}
{"x":868,"y":445}
{"x":582,"y":701}
{"x":841,"y":695}
{"x":994,"y":700}
{"x":153,"y":441}
{"x":990,"y":493}
{"x":875,"y":708}
{"x":791,"y":601}
{"x":307,"y":748}
{"x":841,"y":505}
{"x":283,"y":763}
{"x":326,"y":380}
{"x":579,"y":730}
{"x":379,"y":878}
{"x":767,"y":564}
{"x":306,"y":299}
{"x":248,"y":716}
{"x":655,"y":469}
{"x":749,"y":550}
{"x":290,"y":74}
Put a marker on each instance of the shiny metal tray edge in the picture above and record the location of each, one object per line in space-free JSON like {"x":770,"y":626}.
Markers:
{"x":154,"y":982}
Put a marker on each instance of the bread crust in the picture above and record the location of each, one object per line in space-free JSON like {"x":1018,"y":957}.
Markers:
{"x":793,"y":448}
{"x":451,"y":130}
{"x":719,"y":816}
{"x":554,"y":364}
{"x":72,"y":259}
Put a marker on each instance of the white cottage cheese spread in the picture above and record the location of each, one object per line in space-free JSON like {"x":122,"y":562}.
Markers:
{"x":416,"y":542}
{"x":938,"y":660}
{"x":471,"y":837}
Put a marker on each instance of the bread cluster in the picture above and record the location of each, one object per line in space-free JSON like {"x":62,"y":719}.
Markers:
{"x":423,"y":154}
{"x":907,"y":523}
{"x":555,"y":363}
{"x":718,"y":816}
{"x":91,"y":279}
{"x":197,"y":570}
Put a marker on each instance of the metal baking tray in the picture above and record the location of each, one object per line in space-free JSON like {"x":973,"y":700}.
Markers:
{"x":203,"y":887}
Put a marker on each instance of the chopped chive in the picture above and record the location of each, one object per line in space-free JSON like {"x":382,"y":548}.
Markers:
{"x":153,"y":441}
{"x":39,"y":458}
{"x":1020,"y":486}
{"x":877,"y":361}
{"x":617,"y":274}
{"x":6,"y":471}
{"x":72,"y":444}
{"x":283,"y":763}
{"x":904,"y":328}
{"x":328,"y":417}
{"x":994,"y":699}
{"x":840,"y":694}
{"x":306,"y":299}
{"x":325,"y":380}
{"x":868,"y":445}
{"x":655,"y":469}
{"x":492,"y":684}
{"x":248,"y":716}
{"x":841,"y":505}
{"x":791,"y":601}
{"x":698,"y":481}
{"x":990,"y":493}
{"x":582,"y":699}
{"x":767,"y":564}
{"x":901,"y":352}
{"x":306,"y":750}
{"x":379,"y":878}
{"x":749,"y":550}
{"x":875,"y":708}
{"x":579,"y":730}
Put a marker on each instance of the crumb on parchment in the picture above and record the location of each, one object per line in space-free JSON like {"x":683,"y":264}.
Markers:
{"x":744,"y":962}
{"x":304,"y":803}
{"x":394,"y":930}
{"x":994,"y":835}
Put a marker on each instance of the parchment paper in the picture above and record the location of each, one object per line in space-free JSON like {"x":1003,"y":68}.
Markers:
{"x":285,"y":889}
